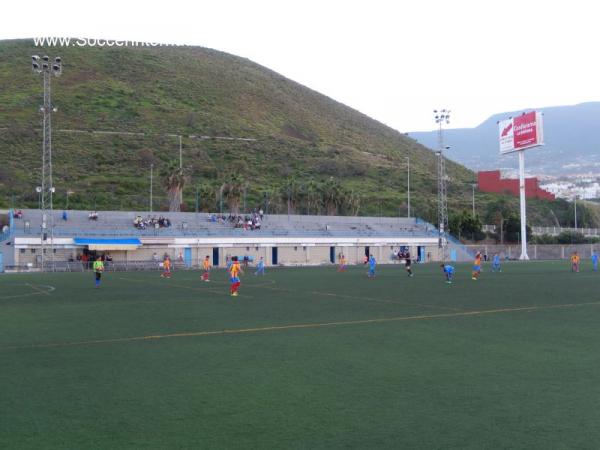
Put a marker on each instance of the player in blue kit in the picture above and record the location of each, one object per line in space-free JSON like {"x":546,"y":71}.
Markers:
{"x":372,"y":264}
{"x":448,"y":272}
{"x":595,"y":262}
{"x":496,"y":263}
{"x":260,"y":268}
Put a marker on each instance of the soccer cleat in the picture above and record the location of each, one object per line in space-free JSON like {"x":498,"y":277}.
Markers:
{"x":448,"y":282}
{"x":474,"y":278}
{"x":235,"y":294}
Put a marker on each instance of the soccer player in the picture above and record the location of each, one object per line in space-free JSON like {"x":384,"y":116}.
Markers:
{"x":98,"y":268}
{"x":595,"y":262}
{"x":372,"y":264}
{"x":496,"y":263}
{"x":206,"y":267}
{"x":166,"y":268}
{"x":476,"y":266}
{"x":234,"y":276}
{"x":448,"y":272}
{"x":407,"y":264}
{"x":575,"y":262}
{"x":260,"y":267}
{"x":342,"y":267}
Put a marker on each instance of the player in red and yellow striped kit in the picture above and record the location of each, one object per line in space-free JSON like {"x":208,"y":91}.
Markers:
{"x":206,"y":267}
{"x":234,"y":276}
{"x":476,"y":266}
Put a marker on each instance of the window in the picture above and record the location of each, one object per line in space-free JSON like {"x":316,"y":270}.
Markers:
{"x":22,"y":251}
{"x":33,"y":250}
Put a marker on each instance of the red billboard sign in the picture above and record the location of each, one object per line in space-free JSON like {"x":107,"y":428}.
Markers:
{"x":525,"y":130}
{"x":521,"y":132}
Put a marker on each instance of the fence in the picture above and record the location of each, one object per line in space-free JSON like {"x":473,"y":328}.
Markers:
{"x":555,"y":231}
{"x":79,"y":266}
{"x":538,"y":252}
{"x":551,"y":231}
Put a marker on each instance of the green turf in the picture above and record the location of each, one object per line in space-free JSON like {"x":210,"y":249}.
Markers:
{"x":526,"y":374}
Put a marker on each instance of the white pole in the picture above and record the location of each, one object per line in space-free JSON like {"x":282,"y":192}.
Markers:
{"x":524,"y":255}
{"x":408,"y":183}
{"x":180,"y":153}
{"x":575,"y":204}
{"x":151,"y":181}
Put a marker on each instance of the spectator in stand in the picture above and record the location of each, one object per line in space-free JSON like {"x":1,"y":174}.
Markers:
{"x":18,"y":214}
{"x":64,"y":216}
{"x":108,"y":259}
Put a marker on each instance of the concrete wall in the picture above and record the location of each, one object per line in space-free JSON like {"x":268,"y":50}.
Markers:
{"x":287,"y":254}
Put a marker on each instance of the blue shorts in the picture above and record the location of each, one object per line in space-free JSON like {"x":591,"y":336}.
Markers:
{"x":234,"y":279}
{"x":476,"y":268}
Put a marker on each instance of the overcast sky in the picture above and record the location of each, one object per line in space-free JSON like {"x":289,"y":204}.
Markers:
{"x":393,"y":60}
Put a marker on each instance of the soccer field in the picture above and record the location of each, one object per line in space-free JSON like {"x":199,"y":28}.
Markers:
{"x":304,"y":358}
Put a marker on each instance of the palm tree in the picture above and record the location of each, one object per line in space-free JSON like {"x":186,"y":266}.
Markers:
{"x":207,"y":197}
{"x":174,"y":179}
{"x":232,"y":189}
{"x":352,"y":202}
{"x":312,"y":194}
{"x":332,"y":192}
{"x":290,"y":192}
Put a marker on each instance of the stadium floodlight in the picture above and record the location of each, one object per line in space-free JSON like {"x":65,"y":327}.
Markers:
{"x":408,"y":186}
{"x":441,"y":118}
{"x":46,"y":66}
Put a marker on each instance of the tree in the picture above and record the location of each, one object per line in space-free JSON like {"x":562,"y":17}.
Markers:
{"x":174,"y":180}
{"x":587,"y":216}
{"x":571,"y":237}
{"x":466,"y":225}
{"x":312,"y":197}
{"x":207,"y":197}
{"x":512,"y":229}
{"x":332,"y":194}
{"x":352,"y":202}
{"x":290,"y":193}
{"x":232,"y":190}
{"x":497,"y":211}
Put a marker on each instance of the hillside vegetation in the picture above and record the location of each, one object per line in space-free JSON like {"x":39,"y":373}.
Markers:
{"x":304,"y":144}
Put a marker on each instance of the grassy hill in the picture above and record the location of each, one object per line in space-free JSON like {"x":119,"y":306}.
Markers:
{"x":193,"y":91}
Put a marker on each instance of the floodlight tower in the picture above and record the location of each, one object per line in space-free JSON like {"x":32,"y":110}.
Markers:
{"x":441,"y":117}
{"x":47,"y":68}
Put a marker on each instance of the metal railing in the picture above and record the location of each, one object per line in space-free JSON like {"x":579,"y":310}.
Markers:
{"x":555,"y":231}
{"x":112,"y":266}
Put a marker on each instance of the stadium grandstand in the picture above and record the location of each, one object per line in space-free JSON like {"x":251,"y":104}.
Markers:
{"x":283,"y":240}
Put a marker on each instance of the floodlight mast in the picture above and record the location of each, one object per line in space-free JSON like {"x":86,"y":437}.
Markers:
{"x":47,"y":68}
{"x":441,"y":117}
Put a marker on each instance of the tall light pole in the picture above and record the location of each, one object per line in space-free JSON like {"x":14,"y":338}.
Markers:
{"x":38,"y":189}
{"x":151,"y":187}
{"x":408,"y":185}
{"x":473,"y":186}
{"x":575,"y":208}
{"x":180,"y":153}
{"x":442,"y":117}
{"x":221,"y":198}
{"x":47,"y":68}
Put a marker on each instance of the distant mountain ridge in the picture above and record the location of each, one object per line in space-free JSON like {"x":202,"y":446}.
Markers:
{"x":570,"y":132}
